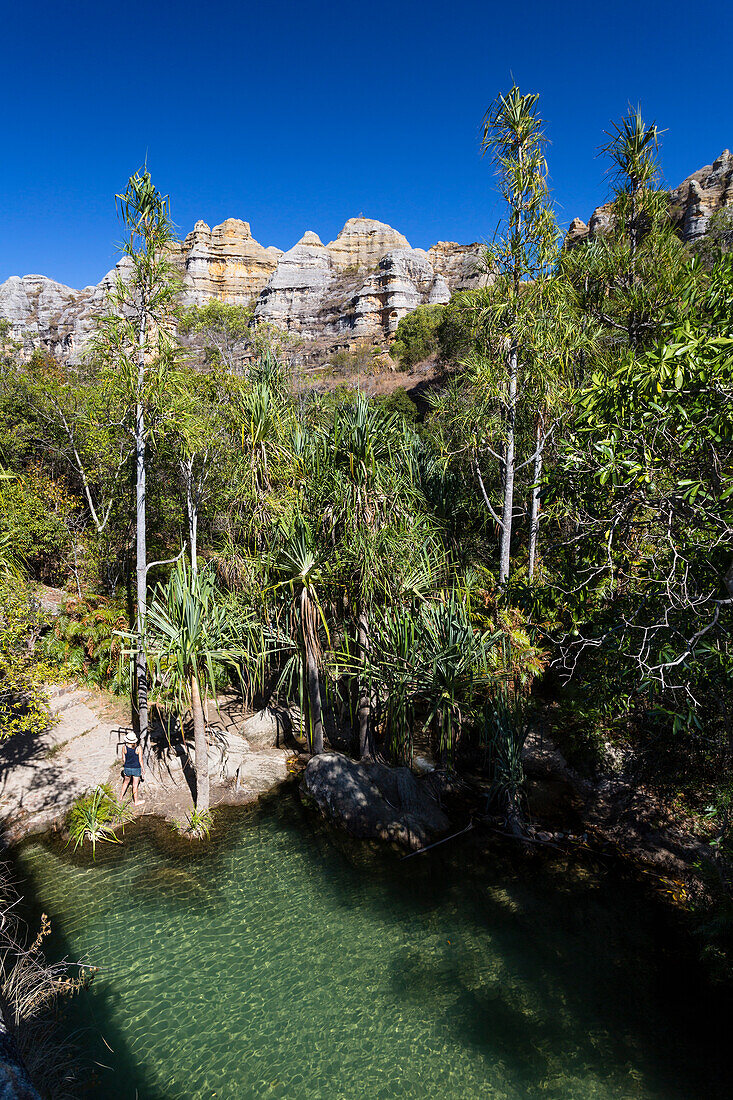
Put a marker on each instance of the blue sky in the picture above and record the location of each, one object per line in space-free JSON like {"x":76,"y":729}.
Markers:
{"x":296,"y":116}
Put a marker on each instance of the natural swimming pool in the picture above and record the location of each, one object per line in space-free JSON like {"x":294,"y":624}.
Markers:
{"x":285,"y":960}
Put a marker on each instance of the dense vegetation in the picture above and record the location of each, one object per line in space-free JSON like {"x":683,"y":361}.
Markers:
{"x":550,"y":539}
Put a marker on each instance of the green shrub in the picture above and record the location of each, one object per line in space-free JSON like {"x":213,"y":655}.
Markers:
{"x":94,"y":816}
{"x":23,"y":700}
{"x":85,"y":642}
{"x":32,"y":512}
{"x":416,"y":337}
{"x":399,"y":401}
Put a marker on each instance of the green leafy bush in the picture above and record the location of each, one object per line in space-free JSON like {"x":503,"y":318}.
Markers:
{"x":399,"y":401}
{"x":23,"y":700}
{"x":416,"y":338}
{"x":85,"y":642}
{"x":32,"y":512}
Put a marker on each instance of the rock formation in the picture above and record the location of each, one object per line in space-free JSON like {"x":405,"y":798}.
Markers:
{"x":692,"y":204}
{"x":46,"y":314}
{"x":316,"y":293}
{"x":703,"y":194}
{"x":225,"y":262}
{"x":355,"y":288}
{"x":373,"y":801}
{"x":362,"y":243}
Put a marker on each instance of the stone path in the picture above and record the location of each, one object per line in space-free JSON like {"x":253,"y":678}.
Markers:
{"x":40,"y":776}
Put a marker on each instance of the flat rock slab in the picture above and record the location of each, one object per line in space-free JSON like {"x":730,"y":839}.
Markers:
{"x":42,"y":775}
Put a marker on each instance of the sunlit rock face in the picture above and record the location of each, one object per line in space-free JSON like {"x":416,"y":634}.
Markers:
{"x":360,"y":285}
{"x":462,"y":266}
{"x":692,"y":204}
{"x":225,"y":262}
{"x":46,"y":314}
{"x":404,"y":280}
{"x":703,"y":194}
{"x":357,"y":287}
{"x":294,"y":295}
{"x":362,"y":243}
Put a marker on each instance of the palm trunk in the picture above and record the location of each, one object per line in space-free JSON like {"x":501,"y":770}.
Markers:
{"x":509,"y":465}
{"x":202,"y":752}
{"x":192,"y":512}
{"x":307,"y":614}
{"x":314,"y":702}
{"x":363,"y":712}
{"x":534,"y":515}
{"x":141,"y":562}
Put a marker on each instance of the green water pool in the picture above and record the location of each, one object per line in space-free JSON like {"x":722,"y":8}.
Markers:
{"x":285,"y":960}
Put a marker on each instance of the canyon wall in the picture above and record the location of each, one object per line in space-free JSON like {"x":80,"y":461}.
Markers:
{"x":354,"y":289}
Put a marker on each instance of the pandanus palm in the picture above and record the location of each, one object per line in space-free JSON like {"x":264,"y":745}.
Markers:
{"x":298,"y":564}
{"x":365,"y":442}
{"x":428,"y":658}
{"x":455,"y":664}
{"x":189,"y":629}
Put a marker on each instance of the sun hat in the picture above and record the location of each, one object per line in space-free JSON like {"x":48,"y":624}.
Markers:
{"x":131,"y":738}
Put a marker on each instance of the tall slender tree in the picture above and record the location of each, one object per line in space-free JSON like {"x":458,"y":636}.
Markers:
{"x":136,"y":340}
{"x":509,"y":316}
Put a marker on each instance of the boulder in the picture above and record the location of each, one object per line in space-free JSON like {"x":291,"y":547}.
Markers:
{"x":373,"y":801}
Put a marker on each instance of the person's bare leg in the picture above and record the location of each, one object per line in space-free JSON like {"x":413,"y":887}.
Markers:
{"x":135,"y":785}
{"x":125,"y":785}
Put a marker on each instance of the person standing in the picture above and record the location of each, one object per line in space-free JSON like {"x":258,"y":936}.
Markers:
{"x":133,"y":767}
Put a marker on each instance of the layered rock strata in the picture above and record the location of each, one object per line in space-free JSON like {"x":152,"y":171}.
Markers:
{"x":692,"y":204}
{"x":356,"y":288}
{"x":225,"y":262}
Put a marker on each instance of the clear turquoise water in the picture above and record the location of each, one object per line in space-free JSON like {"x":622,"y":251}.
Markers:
{"x":287,"y":961}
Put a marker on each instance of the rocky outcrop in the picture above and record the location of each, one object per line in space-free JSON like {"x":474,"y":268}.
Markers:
{"x":49,"y":315}
{"x":703,"y":194}
{"x":373,"y":801}
{"x":356,"y":288}
{"x":691,"y":205}
{"x":362,"y":243}
{"x":404,"y":280}
{"x":225,"y":262}
{"x":308,"y":294}
{"x":463,"y":266}
{"x":294,"y":295}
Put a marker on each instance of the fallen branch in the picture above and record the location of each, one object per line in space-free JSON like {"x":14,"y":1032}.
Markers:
{"x":445,"y":840}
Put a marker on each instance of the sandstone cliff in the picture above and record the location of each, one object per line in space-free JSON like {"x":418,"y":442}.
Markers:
{"x":355,"y":288}
{"x":225,"y":262}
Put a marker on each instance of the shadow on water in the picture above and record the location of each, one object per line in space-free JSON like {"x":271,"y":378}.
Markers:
{"x":554,"y":968}
{"x":600,"y":974}
{"x":85,"y":1019}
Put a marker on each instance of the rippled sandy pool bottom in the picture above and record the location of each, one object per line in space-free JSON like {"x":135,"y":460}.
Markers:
{"x":288,"y":961}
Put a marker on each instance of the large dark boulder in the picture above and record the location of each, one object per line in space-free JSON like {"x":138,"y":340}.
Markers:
{"x":373,"y":801}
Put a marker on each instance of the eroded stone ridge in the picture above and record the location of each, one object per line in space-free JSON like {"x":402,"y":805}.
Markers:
{"x":356,"y":287}
{"x":225,"y":262}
